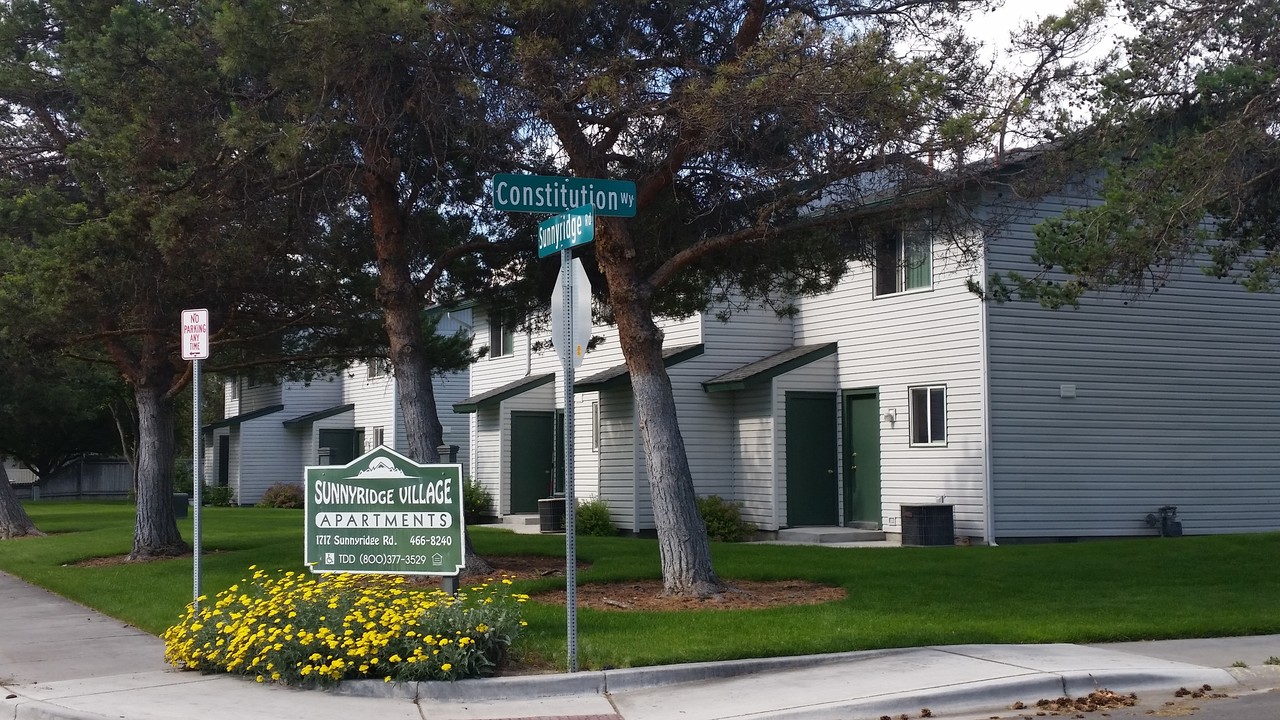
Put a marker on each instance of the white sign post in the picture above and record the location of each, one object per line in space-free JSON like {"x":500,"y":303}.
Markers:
{"x":195,"y":347}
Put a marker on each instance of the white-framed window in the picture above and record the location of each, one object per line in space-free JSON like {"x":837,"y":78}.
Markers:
{"x":235,"y":388}
{"x":378,"y":438}
{"x":928,"y":414}
{"x":502,"y":337}
{"x":904,"y":261}
{"x":595,"y":425}
{"x":380,"y":367}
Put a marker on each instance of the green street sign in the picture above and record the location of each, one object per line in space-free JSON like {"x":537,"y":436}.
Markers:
{"x":552,"y":194}
{"x":576,"y":227}
{"x":384,"y":513}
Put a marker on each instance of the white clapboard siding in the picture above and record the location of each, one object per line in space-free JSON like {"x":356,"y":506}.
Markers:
{"x":893,"y":342}
{"x":486,"y":455}
{"x":619,"y":453}
{"x":264,"y":394}
{"x":268,"y":453}
{"x":753,"y":444}
{"x":1176,"y":402}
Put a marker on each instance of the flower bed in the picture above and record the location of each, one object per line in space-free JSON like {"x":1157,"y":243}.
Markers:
{"x":302,"y":630}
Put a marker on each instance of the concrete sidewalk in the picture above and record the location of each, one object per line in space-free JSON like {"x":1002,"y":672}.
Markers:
{"x":61,"y":660}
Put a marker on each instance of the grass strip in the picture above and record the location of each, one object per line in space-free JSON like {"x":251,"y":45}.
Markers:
{"x":1096,"y":591}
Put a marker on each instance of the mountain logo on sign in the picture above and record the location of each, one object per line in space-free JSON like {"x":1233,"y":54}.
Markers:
{"x":381,"y":469}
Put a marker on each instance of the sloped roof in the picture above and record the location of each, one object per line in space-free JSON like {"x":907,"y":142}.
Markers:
{"x":244,"y":417}
{"x":319,"y":415}
{"x":498,"y":394}
{"x":618,"y":375}
{"x":762,"y":371}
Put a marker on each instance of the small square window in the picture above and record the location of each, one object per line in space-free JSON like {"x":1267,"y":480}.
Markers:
{"x":928,"y":415}
{"x":904,"y":261}
{"x":379,"y":368}
{"x":378,"y":439}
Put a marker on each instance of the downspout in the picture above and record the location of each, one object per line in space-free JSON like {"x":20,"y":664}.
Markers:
{"x":984,"y":375}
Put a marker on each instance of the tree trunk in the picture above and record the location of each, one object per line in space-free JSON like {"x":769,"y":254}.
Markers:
{"x":14,"y":521}
{"x":155,"y":532}
{"x":402,"y":317}
{"x":683,"y":546}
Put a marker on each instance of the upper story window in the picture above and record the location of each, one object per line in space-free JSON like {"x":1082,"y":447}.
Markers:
{"x":928,"y":415}
{"x":502,"y":337}
{"x":379,"y":368}
{"x":235,"y":388}
{"x":904,"y":261}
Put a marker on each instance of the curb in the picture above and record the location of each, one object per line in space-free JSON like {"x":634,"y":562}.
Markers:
{"x":21,"y":708}
{"x":590,"y":682}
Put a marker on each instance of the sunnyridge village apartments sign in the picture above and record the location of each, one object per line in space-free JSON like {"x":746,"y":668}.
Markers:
{"x":384,"y":513}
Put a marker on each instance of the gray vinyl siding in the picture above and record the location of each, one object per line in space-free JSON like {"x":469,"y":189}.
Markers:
{"x":894,"y":342}
{"x":1177,"y":403}
{"x":486,"y":422}
{"x":619,"y":453}
{"x":449,"y":389}
{"x":753,"y":445}
{"x":265,"y":394}
{"x":267,"y":454}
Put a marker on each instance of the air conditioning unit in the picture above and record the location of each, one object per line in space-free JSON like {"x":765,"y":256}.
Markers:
{"x":928,"y":525}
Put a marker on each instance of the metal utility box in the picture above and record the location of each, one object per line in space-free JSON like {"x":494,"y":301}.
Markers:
{"x":928,"y":525}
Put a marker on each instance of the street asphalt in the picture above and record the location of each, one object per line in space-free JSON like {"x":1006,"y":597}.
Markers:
{"x":60,"y":660}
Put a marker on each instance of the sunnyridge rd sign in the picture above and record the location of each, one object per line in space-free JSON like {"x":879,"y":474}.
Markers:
{"x":384,"y":513}
{"x":552,"y":194}
{"x":576,"y":227}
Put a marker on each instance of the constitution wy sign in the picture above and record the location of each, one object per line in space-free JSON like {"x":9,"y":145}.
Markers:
{"x":552,"y":194}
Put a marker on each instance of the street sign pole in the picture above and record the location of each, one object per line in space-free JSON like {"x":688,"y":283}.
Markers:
{"x":197,"y":483}
{"x":565,"y":341}
{"x":195,"y":347}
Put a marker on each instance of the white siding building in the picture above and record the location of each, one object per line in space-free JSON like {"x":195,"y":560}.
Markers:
{"x":903,"y":388}
{"x":272,"y":431}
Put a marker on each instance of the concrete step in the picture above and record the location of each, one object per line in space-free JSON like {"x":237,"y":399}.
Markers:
{"x":521,"y":519}
{"x":828,"y":535}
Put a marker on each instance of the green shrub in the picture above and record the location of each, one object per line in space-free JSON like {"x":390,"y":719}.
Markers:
{"x":300,"y":630}
{"x":724,"y":519}
{"x":476,"y":501}
{"x":218,"y":496}
{"x":182,"y":482}
{"x":284,"y":495}
{"x":593,"y":519}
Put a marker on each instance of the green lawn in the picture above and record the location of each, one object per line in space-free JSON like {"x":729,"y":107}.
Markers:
{"x":1082,"y":592}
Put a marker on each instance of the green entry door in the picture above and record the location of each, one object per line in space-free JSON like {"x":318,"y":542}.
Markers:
{"x":812,"y":490}
{"x":862,"y":459}
{"x":533,"y":459}
{"x":343,"y":446}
